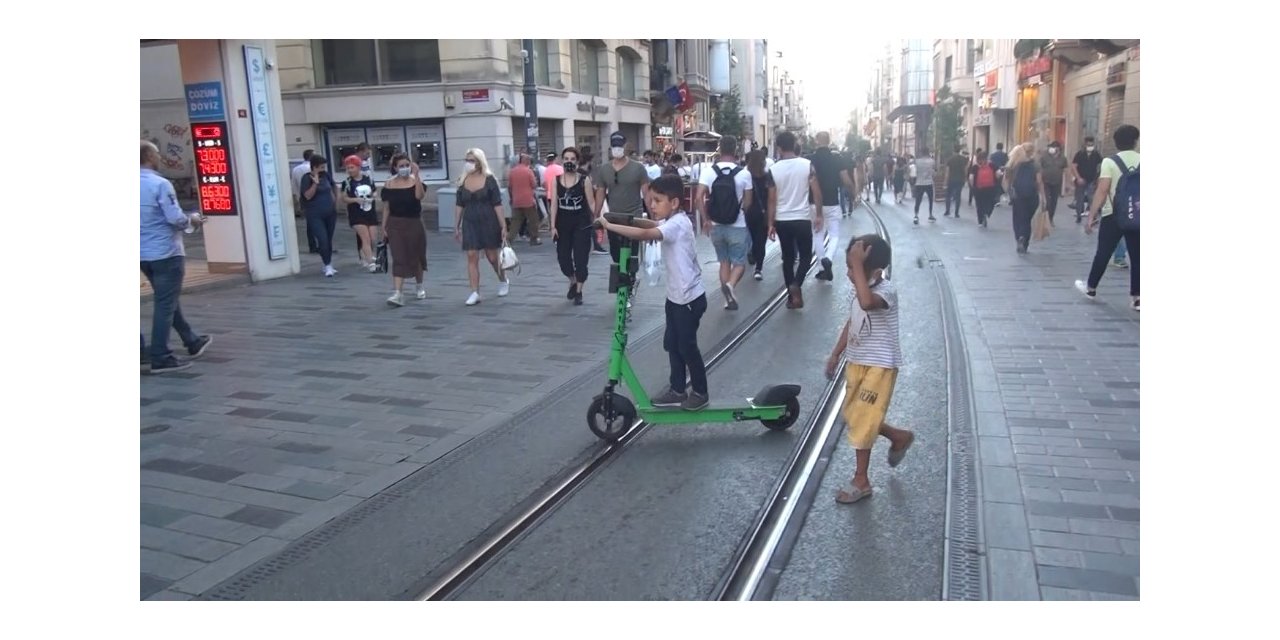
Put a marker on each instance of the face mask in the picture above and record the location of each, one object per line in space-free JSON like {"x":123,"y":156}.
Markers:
{"x":570,"y":165}
{"x":616,"y":152}
{"x":1089,"y":149}
{"x":1053,"y":151}
{"x":404,"y":171}
{"x":470,"y":167}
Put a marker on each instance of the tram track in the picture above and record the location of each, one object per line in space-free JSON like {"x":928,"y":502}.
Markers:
{"x":765,"y":550}
{"x":449,"y":584}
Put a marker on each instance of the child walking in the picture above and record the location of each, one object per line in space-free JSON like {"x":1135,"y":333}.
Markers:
{"x":686,"y":297}
{"x":869,"y":344}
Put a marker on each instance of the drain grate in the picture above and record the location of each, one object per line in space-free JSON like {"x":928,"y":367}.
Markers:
{"x":963,"y":577}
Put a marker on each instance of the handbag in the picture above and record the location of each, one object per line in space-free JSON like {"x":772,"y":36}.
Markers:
{"x":507,"y":259}
{"x":1040,"y":225}
{"x":380,"y":258}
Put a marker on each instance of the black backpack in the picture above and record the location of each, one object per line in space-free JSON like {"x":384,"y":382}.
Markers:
{"x":724,"y":205}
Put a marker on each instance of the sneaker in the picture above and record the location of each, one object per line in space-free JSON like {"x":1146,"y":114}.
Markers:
{"x":1120,"y":264}
{"x":917,"y":220}
{"x":573,"y":290}
{"x":932,"y":219}
{"x":422,"y":293}
{"x":474,"y":299}
{"x":330,"y":272}
{"x":669,"y":398}
{"x":758,"y":276}
{"x":372,"y":267}
{"x":695,"y":401}
{"x":504,"y":288}
{"x":396,"y":299}
{"x":202,"y":345}
{"x":730,"y":302}
{"x":1136,"y":304}
{"x":169,"y":366}
{"x":1083,"y":287}
{"x":577,"y":299}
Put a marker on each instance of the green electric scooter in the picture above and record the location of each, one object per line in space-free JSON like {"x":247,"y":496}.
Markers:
{"x":612,"y":414}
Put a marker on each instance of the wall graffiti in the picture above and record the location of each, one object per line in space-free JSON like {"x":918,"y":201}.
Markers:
{"x":168,"y":129}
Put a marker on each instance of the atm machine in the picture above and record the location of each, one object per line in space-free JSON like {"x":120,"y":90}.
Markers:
{"x":342,"y":143}
{"x":426,"y":147}
{"x":385,"y":142}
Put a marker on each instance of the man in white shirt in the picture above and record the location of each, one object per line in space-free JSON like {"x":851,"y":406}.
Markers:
{"x":723,"y":218}
{"x":651,"y":167}
{"x":795,"y":219}
{"x":295,"y":178}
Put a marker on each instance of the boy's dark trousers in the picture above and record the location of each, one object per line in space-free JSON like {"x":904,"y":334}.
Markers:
{"x":681,"y":343}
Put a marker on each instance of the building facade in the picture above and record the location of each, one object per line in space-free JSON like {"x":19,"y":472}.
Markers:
{"x":995,"y":94}
{"x":1100,"y":84}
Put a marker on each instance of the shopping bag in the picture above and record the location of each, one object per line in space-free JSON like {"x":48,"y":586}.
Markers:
{"x":1040,"y":225}
{"x":653,"y":263}
{"x":508,"y":260}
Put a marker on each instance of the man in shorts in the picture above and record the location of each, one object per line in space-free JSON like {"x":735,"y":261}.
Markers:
{"x":724,"y":192}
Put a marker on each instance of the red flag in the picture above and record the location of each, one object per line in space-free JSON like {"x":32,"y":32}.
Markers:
{"x":686,"y":100}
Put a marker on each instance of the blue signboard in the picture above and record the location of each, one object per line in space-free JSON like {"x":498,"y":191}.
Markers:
{"x":204,"y":102}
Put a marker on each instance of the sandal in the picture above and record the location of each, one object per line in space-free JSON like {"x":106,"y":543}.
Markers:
{"x":851,"y":494}
{"x":895,"y":456}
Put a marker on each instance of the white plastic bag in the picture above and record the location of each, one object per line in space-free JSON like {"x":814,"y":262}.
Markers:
{"x":653,"y":263}
{"x":508,"y":260}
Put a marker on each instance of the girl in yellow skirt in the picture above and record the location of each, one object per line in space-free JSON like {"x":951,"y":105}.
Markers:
{"x":869,"y":344}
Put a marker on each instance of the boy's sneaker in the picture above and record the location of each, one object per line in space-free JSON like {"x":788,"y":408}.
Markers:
{"x":669,"y":398}
{"x":758,"y":276}
{"x":695,"y":401}
{"x":196,"y":350}
{"x":1083,"y":287}
{"x":169,"y":365}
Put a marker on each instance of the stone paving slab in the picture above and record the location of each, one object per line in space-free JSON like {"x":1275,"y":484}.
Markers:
{"x":1056,"y":380}
{"x":315,"y":396}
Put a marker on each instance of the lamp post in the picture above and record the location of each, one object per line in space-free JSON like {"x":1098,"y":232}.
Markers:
{"x":531,"y":100}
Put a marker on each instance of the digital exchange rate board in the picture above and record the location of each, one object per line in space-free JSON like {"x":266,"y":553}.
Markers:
{"x":213,"y":169}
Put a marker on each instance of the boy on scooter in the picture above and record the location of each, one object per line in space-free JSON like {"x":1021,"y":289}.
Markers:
{"x":686,"y":296}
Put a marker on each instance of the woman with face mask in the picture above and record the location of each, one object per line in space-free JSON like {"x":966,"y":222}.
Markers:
{"x":480,"y":224}
{"x":402,"y":225}
{"x":357,"y":194}
{"x":572,"y":205}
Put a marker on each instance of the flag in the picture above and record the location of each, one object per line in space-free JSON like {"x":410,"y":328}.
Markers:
{"x":686,"y":99}
{"x":675,"y":97}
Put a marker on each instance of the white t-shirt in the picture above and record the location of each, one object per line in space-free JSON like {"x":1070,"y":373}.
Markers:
{"x":741,"y":183}
{"x":873,"y":335}
{"x":296,"y":176}
{"x":792,"y":177}
{"x":680,"y":259}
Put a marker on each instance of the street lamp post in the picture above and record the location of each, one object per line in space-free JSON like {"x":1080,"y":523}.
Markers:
{"x":530,"y":100}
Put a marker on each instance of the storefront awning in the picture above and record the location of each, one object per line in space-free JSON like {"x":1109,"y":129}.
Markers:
{"x":911,"y":111}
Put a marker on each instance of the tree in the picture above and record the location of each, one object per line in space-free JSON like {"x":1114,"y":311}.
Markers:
{"x":948,"y":129}
{"x":856,"y":144}
{"x":728,"y":119}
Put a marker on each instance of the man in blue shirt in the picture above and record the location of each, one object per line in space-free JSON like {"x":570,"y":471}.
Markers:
{"x":162,"y":259}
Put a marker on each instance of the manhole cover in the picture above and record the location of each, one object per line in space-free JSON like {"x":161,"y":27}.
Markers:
{"x":159,"y":428}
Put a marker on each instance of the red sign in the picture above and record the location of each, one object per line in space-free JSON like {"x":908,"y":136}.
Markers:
{"x":473,"y":96}
{"x":213,"y":169}
{"x":993,"y":80}
{"x":1035,"y":67}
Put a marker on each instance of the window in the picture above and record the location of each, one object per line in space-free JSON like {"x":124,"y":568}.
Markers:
{"x":947,"y":70}
{"x":587,"y":69}
{"x":410,"y":60}
{"x":626,"y":75}
{"x":541,"y":63}
{"x":345,"y":62}
{"x":969,"y":57}
{"x":1090,"y":114}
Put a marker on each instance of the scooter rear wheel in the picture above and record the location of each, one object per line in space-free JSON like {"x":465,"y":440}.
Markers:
{"x":612,"y":427}
{"x":787,"y":418}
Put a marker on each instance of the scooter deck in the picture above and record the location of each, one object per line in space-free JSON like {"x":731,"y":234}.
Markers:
{"x":712,"y":413}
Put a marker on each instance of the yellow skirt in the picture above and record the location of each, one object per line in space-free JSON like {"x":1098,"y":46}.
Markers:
{"x":866,"y":402}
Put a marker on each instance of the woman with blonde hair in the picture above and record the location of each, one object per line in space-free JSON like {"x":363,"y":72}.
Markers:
{"x":1025,"y":186}
{"x":479,"y":221}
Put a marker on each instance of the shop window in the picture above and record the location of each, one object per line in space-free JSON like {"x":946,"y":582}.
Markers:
{"x":345,"y":62}
{"x":541,"y":63}
{"x":586,"y":67}
{"x":410,"y":60}
{"x":1090,"y":115}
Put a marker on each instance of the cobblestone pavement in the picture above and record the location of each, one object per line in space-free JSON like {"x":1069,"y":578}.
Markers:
{"x":316,"y":395}
{"x":1056,"y":379}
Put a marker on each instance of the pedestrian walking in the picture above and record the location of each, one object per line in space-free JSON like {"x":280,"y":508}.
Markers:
{"x":763,"y":205}
{"x":724,"y":190}
{"x":1118,"y":182}
{"x":622,"y":183}
{"x":833,"y":174}
{"x":984,"y":186}
{"x":162,"y":259}
{"x":1025,"y":186}
{"x":522,"y":184}
{"x":879,"y":170}
{"x":956,"y":172}
{"x":900,"y":179}
{"x":295,"y":177}
{"x":969,"y":170}
{"x":480,"y":224}
{"x":1053,"y":169}
{"x":794,"y":219}
{"x":358,"y":194}
{"x":319,"y":201}
{"x":402,"y":225}
{"x":1001,"y":160}
{"x":572,"y":210}
{"x":686,"y":296}
{"x":922,"y":187}
{"x":870,"y":347}
{"x":1084,"y":171}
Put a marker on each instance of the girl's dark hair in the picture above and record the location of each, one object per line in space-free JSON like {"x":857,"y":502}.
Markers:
{"x":756,"y":163}
{"x":395,"y":160}
{"x":317,"y":160}
{"x":575,"y":151}
{"x":881,"y":253}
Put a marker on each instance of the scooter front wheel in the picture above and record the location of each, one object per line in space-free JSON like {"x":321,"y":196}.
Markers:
{"x":610,"y":426}
{"x":787,"y":418}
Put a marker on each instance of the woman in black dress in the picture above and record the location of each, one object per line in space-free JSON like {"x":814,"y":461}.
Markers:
{"x":571,"y":212}
{"x":480,"y":225}
{"x":402,"y":225}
